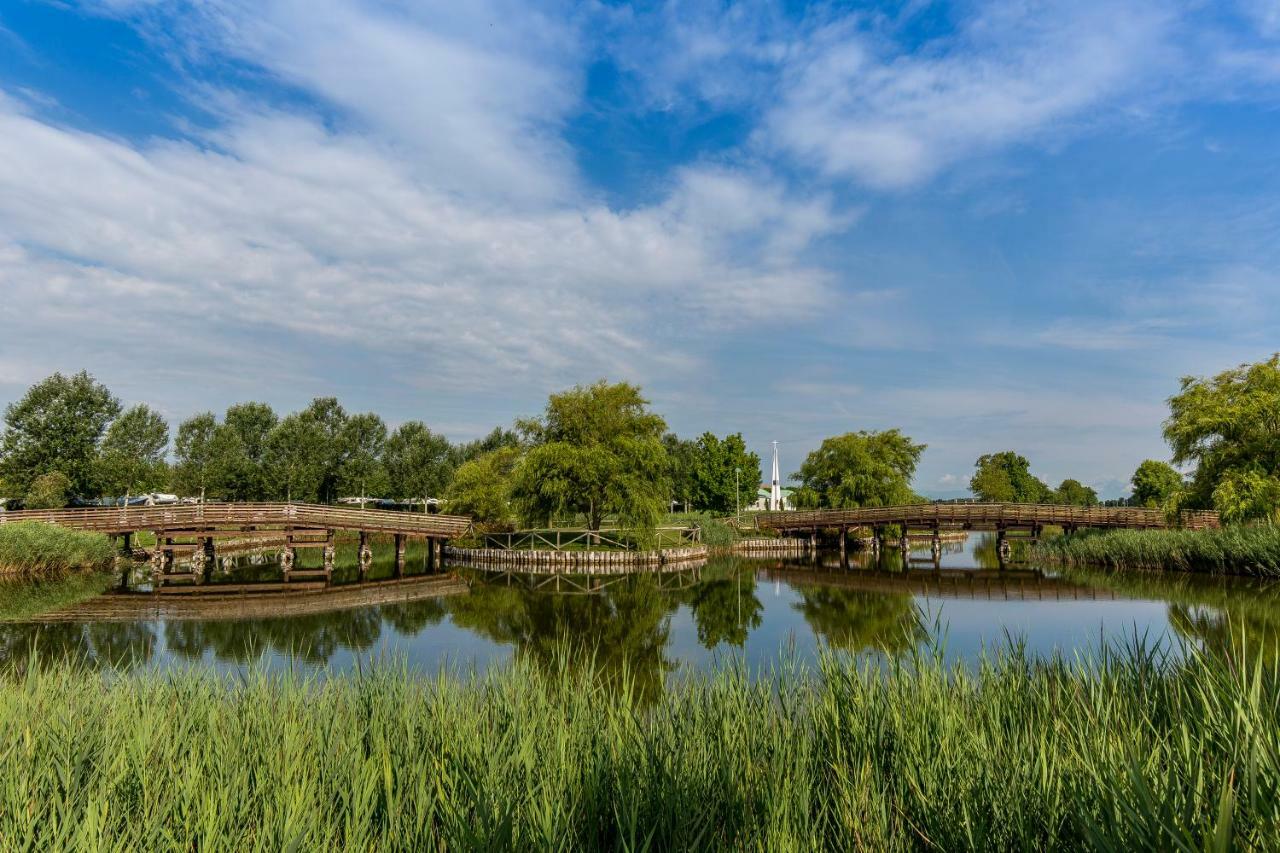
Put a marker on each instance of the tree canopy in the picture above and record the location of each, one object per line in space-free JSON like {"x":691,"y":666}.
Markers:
{"x":481,"y":488}
{"x":1229,"y":427}
{"x":1074,"y":493}
{"x":1155,"y":483}
{"x":1006,"y":477}
{"x":132,"y":459}
{"x":57,"y":426}
{"x":420,"y":463}
{"x":704,"y":474}
{"x":597,"y":450}
{"x":860,"y":469}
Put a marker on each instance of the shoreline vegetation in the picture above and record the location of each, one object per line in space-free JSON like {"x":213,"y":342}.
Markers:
{"x":1236,"y":550}
{"x":1138,"y":748}
{"x":36,"y":548}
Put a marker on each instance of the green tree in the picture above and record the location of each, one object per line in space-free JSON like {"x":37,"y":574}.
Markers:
{"x":481,"y":488}
{"x":596,"y":451}
{"x":860,"y":469}
{"x":419,"y":462}
{"x":49,"y":491}
{"x":57,"y":426}
{"x":297,"y":455}
{"x":244,"y":471}
{"x":722,"y":467}
{"x":132,"y":456}
{"x":681,"y":454}
{"x":304,"y":452}
{"x":498,"y":438}
{"x":193,"y":454}
{"x":1155,"y":483}
{"x":1074,"y":493}
{"x":1229,"y":427}
{"x":1006,"y":477}
{"x":361,"y":442}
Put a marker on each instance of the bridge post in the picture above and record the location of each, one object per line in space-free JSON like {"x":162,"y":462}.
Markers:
{"x":210,"y":558}
{"x":126,"y":542}
{"x":1004,"y":549}
{"x":364,"y":556}
{"x":844,"y":546}
{"x":399,"y":555}
{"x":813,"y":541}
{"x":937,"y":543}
{"x":330,"y":551}
{"x":877,"y":539}
{"x":431,"y":555}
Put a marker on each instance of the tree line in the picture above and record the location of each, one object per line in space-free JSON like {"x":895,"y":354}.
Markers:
{"x":597,"y":451}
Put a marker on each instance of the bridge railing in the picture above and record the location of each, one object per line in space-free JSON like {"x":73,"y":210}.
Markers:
{"x":983,"y":514}
{"x":129,"y":519}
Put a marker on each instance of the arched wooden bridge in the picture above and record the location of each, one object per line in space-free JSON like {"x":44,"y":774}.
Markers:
{"x":196,"y":531}
{"x":981,"y":516}
{"x":1000,"y":517}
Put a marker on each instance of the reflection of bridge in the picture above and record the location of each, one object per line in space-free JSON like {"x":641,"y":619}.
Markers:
{"x":136,"y":607}
{"x":983,"y":584}
{"x":191,"y":531}
{"x":1000,"y":517}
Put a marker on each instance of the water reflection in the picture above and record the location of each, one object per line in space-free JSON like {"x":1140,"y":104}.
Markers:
{"x":649,"y":626}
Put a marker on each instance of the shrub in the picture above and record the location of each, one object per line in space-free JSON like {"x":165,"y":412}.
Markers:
{"x":49,"y":491}
{"x":35,"y":547}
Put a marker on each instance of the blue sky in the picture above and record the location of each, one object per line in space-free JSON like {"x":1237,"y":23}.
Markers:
{"x":995,"y":225}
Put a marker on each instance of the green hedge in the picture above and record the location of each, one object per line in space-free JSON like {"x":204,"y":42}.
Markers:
{"x":31,"y":547}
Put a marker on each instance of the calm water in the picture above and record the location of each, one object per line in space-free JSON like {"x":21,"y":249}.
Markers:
{"x":760,"y":609}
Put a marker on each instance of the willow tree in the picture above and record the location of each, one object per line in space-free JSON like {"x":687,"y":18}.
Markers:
{"x":1229,"y":427}
{"x":860,"y":469}
{"x":597,"y":451}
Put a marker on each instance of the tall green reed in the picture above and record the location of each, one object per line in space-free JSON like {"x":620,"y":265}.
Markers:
{"x":1132,"y":748}
{"x":1232,"y":550}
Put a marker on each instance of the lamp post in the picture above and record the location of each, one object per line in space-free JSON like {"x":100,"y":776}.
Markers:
{"x":737,"y":494}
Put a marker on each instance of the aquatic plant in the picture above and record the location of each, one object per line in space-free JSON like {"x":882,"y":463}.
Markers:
{"x":1133,"y":749}
{"x":1235,"y":549}
{"x":32,"y":547}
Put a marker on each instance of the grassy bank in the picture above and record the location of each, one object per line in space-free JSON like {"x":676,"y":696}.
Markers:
{"x":1129,"y":754}
{"x":30,"y":547}
{"x":1253,"y":551}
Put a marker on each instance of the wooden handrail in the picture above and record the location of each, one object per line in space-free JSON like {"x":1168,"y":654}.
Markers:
{"x":186,"y":516}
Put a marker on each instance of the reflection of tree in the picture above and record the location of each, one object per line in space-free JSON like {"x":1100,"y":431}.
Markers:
{"x":855,"y":619}
{"x":1234,"y":634}
{"x":725,"y":610}
{"x":624,"y":628}
{"x":95,"y":645}
{"x":410,"y":617}
{"x":312,"y":637}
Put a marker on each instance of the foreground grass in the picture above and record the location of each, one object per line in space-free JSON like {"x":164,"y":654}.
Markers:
{"x":1253,"y":551}
{"x":1132,"y":752}
{"x":31,"y":547}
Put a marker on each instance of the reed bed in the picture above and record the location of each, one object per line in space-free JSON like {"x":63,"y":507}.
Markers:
{"x":1133,"y":750}
{"x":1237,"y":550}
{"x":32,"y":547}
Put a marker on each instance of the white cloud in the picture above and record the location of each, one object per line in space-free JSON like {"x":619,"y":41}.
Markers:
{"x":857,"y":106}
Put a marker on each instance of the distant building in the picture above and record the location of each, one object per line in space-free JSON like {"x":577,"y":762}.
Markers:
{"x":764,"y":495}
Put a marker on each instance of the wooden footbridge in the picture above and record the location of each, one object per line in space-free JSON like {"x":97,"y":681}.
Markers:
{"x":188,"y":537}
{"x":1002,"y":518}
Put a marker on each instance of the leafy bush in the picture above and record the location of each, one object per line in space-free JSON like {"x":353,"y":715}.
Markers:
{"x":49,"y":491}
{"x":35,"y":547}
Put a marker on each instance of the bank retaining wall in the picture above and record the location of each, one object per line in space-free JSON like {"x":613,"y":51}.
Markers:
{"x":578,"y":561}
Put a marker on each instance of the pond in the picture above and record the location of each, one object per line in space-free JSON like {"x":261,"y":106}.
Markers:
{"x":764,"y":611}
